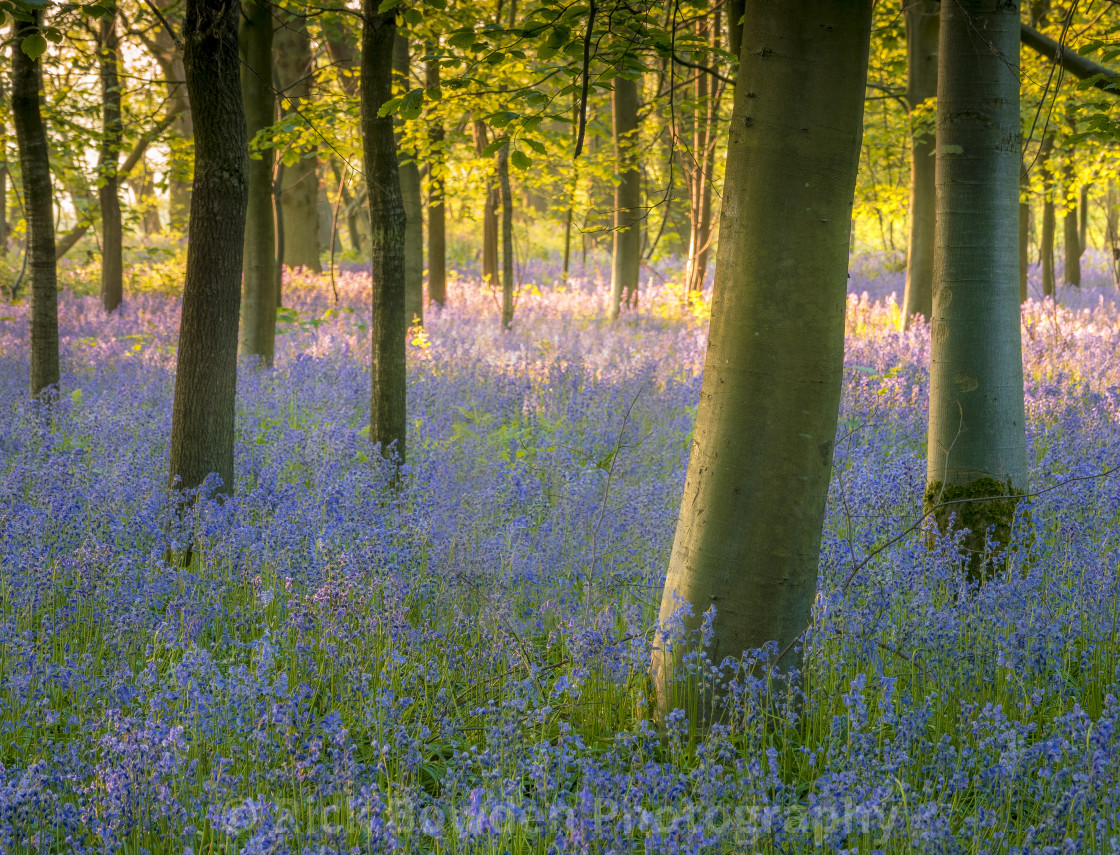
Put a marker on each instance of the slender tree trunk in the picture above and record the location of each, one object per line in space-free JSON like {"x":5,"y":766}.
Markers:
{"x":294,"y":74}
{"x":108,"y":194}
{"x":749,"y":532}
{"x":387,"y":235}
{"x":1024,"y":228}
{"x":698,"y":174}
{"x":921,"y":84}
{"x":1046,"y":239}
{"x":259,"y":290}
{"x":977,"y":439}
{"x":38,"y":201}
{"x":567,"y":245}
{"x":626,"y":254}
{"x":1070,"y":226}
{"x":489,"y":215}
{"x":437,"y":228}
{"x":735,"y":10}
{"x":202,"y":429}
{"x":1082,"y":220}
{"x":507,"y":236}
{"x":409,"y":173}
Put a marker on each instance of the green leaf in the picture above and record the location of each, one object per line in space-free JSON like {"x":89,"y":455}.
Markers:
{"x":413,"y":16}
{"x":53,"y":34}
{"x":438,"y":4}
{"x":520,"y":160}
{"x":434,"y":94}
{"x":461,"y":39}
{"x":536,"y":146}
{"x":501,"y":119}
{"x":389,"y":106}
{"x":411,"y":104}
{"x":386,"y":5}
{"x":34,"y":46}
{"x":495,"y":145}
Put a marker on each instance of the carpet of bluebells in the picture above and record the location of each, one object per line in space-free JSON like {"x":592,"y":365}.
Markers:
{"x":459,"y":664}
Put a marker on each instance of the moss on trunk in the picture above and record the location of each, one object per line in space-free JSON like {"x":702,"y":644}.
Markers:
{"x":977,"y":506}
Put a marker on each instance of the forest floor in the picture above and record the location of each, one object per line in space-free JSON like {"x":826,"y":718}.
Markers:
{"x":459,"y":665}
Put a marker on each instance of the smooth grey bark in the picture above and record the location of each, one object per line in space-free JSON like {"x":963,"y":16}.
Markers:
{"x":506,"y":193}
{"x":108,"y":194}
{"x":748,"y":536}
{"x":437,"y":218}
{"x":386,"y":218}
{"x":202,"y":426}
{"x":258,"y":290}
{"x":409,"y":173}
{"x":735,"y":10}
{"x":1071,"y":231}
{"x":977,"y":439}
{"x":626,"y":254}
{"x":922,"y":21}
{"x":38,"y":200}
{"x":300,"y":185}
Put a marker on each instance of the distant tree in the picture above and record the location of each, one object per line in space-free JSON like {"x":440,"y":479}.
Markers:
{"x":409,"y":171}
{"x":387,"y":233}
{"x":259,"y":292}
{"x":977,"y":438}
{"x":38,"y":198}
{"x":437,"y":229}
{"x":108,"y":194}
{"x":202,"y":428}
{"x":749,"y":532}
{"x":626,"y":253}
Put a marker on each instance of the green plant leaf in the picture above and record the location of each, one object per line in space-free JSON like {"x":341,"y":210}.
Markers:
{"x":34,"y":46}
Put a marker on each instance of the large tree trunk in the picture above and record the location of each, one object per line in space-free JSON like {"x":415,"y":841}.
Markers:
{"x":507,"y":236}
{"x":38,"y":200}
{"x":409,"y":173}
{"x":977,"y":440}
{"x":108,"y":194}
{"x":437,"y":222}
{"x":921,"y":84}
{"x":489,"y":215}
{"x":259,"y":291}
{"x":1046,"y":238}
{"x":749,"y":532}
{"x":386,"y":218}
{"x":202,"y":428}
{"x":300,"y":185}
{"x":627,"y":250}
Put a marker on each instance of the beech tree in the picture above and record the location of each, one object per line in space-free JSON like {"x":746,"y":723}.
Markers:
{"x":38,"y":199}
{"x":258,"y":320}
{"x":108,"y":194}
{"x":977,"y":438}
{"x":206,"y":369}
{"x":387,"y":225}
{"x":626,"y":254}
{"x":749,"y":531}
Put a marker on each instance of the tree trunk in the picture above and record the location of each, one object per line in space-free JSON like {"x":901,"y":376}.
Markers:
{"x":387,"y":235}
{"x":1046,"y":239}
{"x":300,"y":200}
{"x":437,"y":228}
{"x":489,"y":215}
{"x":108,"y":194}
{"x":38,"y":200}
{"x":1024,"y":228}
{"x":627,"y":250}
{"x":977,"y":440}
{"x":697,"y":164}
{"x":202,"y":429}
{"x":259,"y":291}
{"x":507,"y":236}
{"x":410,"y":196}
{"x":1071,"y":231}
{"x":749,"y":532}
{"x":735,"y":12}
{"x":921,"y":84}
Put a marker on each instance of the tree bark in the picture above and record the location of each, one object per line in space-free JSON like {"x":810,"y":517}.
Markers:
{"x":108,"y":194}
{"x":38,"y":200}
{"x":507,"y":236}
{"x":1071,"y":226}
{"x":259,"y":291}
{"x":386,"y":216}
{"x":921,"y":84}
{"x":627,"y":250}
{"x":409,"y":173}
{"x":437,"y":220}
{"x":489,"y":215}
{"x":977,"y":440}
{"x":300,"y":186}
{"x":202,"y":429}
{"x":1024,"y":228}
{"x":1046,"y":238}
{"x":748,"y":537}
